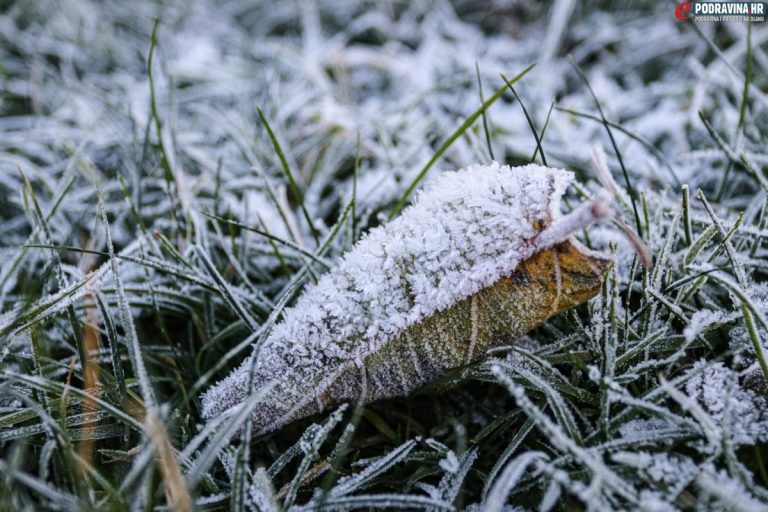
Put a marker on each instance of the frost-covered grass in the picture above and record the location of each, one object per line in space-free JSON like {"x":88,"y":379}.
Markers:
{"x":154,"y":227}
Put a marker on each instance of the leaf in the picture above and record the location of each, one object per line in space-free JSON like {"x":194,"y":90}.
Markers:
{"x":350,"y":484}
{"x":450,"y":483}
{"x":513,"y":445}
{"x":481,"y":258}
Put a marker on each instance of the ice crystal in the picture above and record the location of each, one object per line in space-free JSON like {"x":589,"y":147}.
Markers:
{"x":742,"y":412}
{"x":740,"y":339}
{"x":450,"y":464}
{"x":725,"y":492}
{"x":670,"y":469}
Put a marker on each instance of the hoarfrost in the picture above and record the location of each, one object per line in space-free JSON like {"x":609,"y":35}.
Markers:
{"x":655,"y":502}
{"x":642,"y":431}
{"x":701,"y":321}
{"x":726,"y":492}
{"x":742,"y":412}
{"x":671,"y":469}
{"x":260,"y":493}
{"x":740,"y":339}
{"x":76,"y":79}
{"x":450,"y":464}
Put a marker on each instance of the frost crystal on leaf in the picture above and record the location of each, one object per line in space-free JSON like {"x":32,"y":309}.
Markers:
{"x":466,"y":230}
{"x":739,"y":337}
{"x":741,"y":412}
{"x":450,"y":464}
{"x":702,"y":321}
{"x":670,"y":469}
{"x":726,"y":493}
{"x":260,"y":493}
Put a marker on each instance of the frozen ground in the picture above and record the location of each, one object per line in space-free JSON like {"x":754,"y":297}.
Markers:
{"x":654,"y":394}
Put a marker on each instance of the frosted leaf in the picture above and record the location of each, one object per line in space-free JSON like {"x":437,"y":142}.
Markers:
{"x":365,"y":330}
{"x":307,"y":440}
{"x":228,"y":462}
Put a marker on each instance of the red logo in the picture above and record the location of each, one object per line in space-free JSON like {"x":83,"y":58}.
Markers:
{"x":682,"y":10}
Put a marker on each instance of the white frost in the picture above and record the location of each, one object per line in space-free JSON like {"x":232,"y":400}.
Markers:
{"x":740,"y":411}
